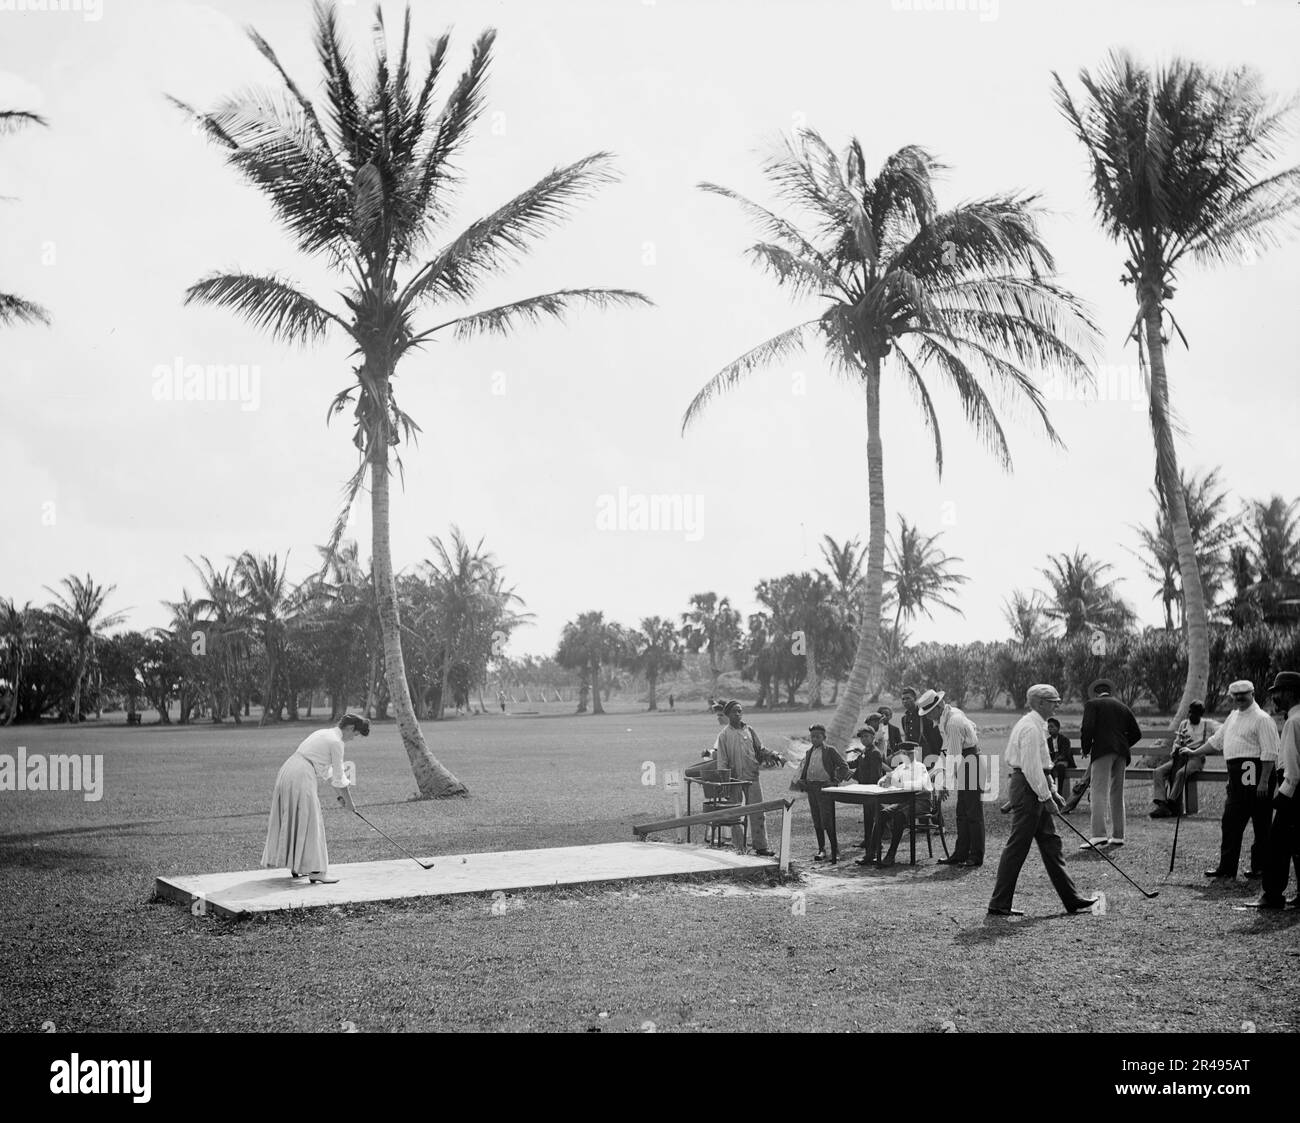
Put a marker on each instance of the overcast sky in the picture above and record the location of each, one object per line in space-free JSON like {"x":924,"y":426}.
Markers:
{"x":118,"y":206}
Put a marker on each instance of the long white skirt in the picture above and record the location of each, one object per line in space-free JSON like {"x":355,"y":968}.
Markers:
{"x":295,"y":835}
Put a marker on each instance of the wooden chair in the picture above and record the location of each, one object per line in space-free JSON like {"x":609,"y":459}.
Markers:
{"x":928,"y":818}
{"x":720,"y":793}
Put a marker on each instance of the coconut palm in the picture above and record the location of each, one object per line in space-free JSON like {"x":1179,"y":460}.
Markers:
{"x":711,"y":624}
{"x":920,"y":575}
{"x":14,"y":309}
{"x":1081,"y":600}
{"x":1273,"y":553}
{"x":16,"y":626}
{"x":1212,"y":533}
{"x":656,"y":647}
{"x":222,"y":634}
{"x":959,"y":296}
{"x":78,"y":613}
{"x":1181,"y":160}
{"x":586,"y":645}
{"x":366,"y":183}
{"x":271,"y":608}
{"x":1025,"y":615}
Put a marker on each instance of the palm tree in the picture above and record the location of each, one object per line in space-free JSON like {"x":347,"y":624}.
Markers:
{"x":1212,"y":533}
{"x":15,"y":640}
{"x":1273,"y":551}
{"x":224,"y":626}
{"x":366,"y":183}
{"x":585,"y":645}
{"x":349,"y":591}
{"x":14,"y":309}
{"x":960,"y":295}
{"x":1180,"y":159}
{"x":78,"y":613}
{"x":711,"y":623}
{"x":920,"y":575}
{"x":655,"y":648}
{"x":1024,"y":614}
{"x":271,"y":608}
{"x":1081,"y":600}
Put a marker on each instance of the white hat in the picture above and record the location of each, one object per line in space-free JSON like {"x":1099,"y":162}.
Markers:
{"x":1242,"y":686}
{"x":929,"y":701}
{"x":1043,"y":690}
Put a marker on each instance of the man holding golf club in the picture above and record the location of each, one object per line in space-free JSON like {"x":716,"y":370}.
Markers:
{"x":1033,"y":799}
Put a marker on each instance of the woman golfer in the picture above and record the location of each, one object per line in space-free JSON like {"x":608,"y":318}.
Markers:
{"x":295,"y":835}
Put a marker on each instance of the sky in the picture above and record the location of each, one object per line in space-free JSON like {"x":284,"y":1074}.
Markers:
{"x":528,"y":442}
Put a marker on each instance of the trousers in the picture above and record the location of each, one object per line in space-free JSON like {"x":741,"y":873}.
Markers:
{"x":1031,"y":821}
{"x":970,"y":812}
{"x":1243,"y":806}
{"x":822,"y":810}
{"x":1107,"y":774}
{"x":1283,"y":848}
{"x":1165,"y":786}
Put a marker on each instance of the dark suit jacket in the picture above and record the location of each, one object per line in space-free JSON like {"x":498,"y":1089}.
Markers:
{"x":921,"y":731}
{"x":1059,"y":747}
{"x":1108,"y":727}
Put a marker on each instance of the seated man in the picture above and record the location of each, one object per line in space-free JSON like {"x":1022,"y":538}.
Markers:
{"x":1171,"y":777}
{"x":907,"y":774}
{"x":868,"y":763}
{"x":1058,"y":747}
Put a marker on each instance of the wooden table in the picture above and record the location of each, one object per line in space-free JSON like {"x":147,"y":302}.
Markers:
{"x":874,"y":793}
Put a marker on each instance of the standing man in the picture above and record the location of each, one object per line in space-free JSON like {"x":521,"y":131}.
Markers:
{"x":670,"y":701}
{"x":868,"y":769}
{"x":1032,"y":800}
{"x":1284,"y":832}
{"x":1249,"y":742}
{"x":738,"y":746}
{"x":919,"y":730}
{"x":960,"y":748}
{"x":1107,"y":736}
{"x":1193,"y":731}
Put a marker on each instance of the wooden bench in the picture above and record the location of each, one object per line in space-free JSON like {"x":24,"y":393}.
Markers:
{"x":133,"y":719}
{"x":1191,"y":802}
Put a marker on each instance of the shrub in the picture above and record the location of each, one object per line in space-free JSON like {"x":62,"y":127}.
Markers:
{"x":1158,"y":663}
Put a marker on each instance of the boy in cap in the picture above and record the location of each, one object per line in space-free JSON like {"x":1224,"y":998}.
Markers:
{"x":822,"y":767}
{"x":868,"y":768}
{"x":1032,"y":800}
{"x":1284,"y":832}
{"x":1171,"y":777}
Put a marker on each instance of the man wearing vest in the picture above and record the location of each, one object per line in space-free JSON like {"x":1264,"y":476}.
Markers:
{"x":960,"y":748}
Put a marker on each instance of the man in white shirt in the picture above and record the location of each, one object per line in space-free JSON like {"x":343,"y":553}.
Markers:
{"x":1249,"y":742}
{"x":1284,"y":832}
{"x":1033,"y":797}
{"x":1193,"y":731}
{"x":907,"y":775}
{"x":961,"y":760}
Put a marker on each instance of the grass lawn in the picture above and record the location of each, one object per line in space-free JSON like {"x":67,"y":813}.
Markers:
{"x":82,"y":944}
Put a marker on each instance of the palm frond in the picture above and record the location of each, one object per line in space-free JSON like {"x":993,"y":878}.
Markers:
{"x":533,"y":310}
{"x":778,"y":347}
{"x":11,"y":120}
{"x":268,"y":303}
{"x":16,"y":310}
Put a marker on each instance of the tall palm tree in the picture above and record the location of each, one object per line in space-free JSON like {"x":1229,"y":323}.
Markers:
{"x":349,"y":591}
{"x":586,"y":645}
{"x":1212,"y":533}
{"x":367,"y":183}
{"x":656,"y":647}
{"x":78,"y":612}
{"x":15,"y":640}
{"x":844,"y":562}
{"x":1273,"y":552}
{"x":920,"y":574}
{"x":1025,"y":615}
{"x":224,"y":627}
{"x":1081,"y":600}
{"x":956,"y":295}
{"x":1181,"y":164}
{"x":14,"y":309}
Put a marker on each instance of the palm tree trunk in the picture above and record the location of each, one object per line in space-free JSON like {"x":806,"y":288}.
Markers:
{"x":17,"y":686}
{"x":433,"y":779}
{"x":76,"y":688}
{"x":846,"y":715}
{"x":596,"y":707}
{"x":652,"y":678}
{"x":1195,"y":615}
{"x":814,"y":680}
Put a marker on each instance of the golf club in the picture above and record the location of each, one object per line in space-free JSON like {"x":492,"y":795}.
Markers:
{"x":1178,"y":821}
{"x":1104,"y":855}
{"x":399,"y":846}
